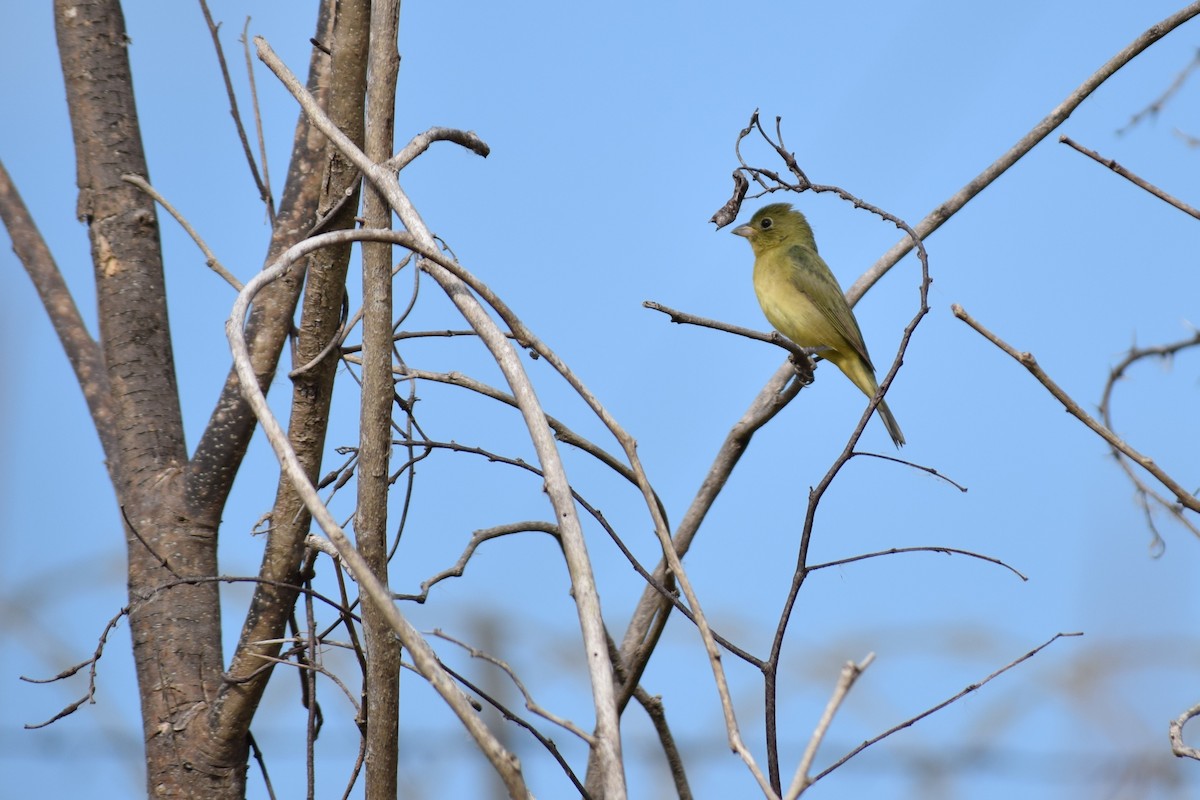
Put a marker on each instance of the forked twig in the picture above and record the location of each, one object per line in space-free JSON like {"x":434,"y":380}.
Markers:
{"x":478,"y":538}
{"x":263,"y":188}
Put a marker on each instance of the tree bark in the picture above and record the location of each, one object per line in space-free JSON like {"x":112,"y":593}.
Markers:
{"x":382,"y":681}
{"x":176,"y":627}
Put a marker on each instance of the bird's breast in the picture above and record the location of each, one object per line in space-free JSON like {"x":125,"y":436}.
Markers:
{"x":789,"y":310}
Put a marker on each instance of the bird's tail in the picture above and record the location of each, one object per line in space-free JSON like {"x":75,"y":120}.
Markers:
{"x":859,"y":371}
{"x":889,"y":422}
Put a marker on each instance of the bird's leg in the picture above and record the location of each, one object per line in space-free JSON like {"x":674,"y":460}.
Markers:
{"x":804,"y":366}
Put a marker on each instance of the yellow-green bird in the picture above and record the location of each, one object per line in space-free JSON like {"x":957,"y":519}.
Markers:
{"x":802,"y":298}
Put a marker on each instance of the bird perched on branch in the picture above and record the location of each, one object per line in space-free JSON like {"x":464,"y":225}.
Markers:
{"x":803,"y":301}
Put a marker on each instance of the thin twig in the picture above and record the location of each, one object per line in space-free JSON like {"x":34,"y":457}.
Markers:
{"x":913,"y":720}
{"x":1159,"y":102}
{"x":210,"y":258}
{"x":1136,"y":180}
{"x":420,"y":143}
{"x":927,"y":549}
{"x":563,"y":433}
{"x":91,"y":663}
{"x":531,"y":705}
{"x":503,"y":530}
{"x":314,"y":665}
{"x":214,"y":30}
{"x":258,"y":126}
{"x":261,"y":760}
{"x":919,"y":467}
{"x":653,"y":706}
{"x":542,"y":739}
{"x":478,"y":538}
{"x":90,"y":694}
{"x":804,"y":354}
{"x":142,"y":540}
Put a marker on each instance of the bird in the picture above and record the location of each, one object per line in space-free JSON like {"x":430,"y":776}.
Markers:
{"x":802,"y":300}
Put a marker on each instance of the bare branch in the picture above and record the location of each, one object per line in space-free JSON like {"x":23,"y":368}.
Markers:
{"x":1025,"y":359}
{"x":913,"y":720}
{"x":318,"y":668}
{"x":649,"y":618}
{"x":799,"y":354}
{"x":561,"y":432}
{"x":92,"y":662}
{"x":816,"y":493}
{"x":258,"y":126}
{"x":544,"y":740}
{"x":89,"y":696}
{"x":83,"y":352}
{"x":1175,"y":730}
{"x":846,"y":681}
{"x":658,"y":718}
{"x":382,"y":678}
{"x":919,"y":467}
{"x":1132,"y":178}
{"x":421,"y":142}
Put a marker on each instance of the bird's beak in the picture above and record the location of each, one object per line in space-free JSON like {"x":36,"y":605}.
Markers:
{"x":743,"y":230}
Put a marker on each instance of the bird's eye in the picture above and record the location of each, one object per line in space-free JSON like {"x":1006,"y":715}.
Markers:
{"x":766,"y":223}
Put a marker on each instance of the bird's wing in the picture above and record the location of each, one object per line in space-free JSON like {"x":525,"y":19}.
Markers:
{"x":810,"y":275}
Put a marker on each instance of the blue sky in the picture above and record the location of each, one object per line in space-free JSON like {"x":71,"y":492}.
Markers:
{"x":612,"y":132}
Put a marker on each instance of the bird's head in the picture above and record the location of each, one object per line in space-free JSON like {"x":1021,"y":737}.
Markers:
{"x":775,"y":225}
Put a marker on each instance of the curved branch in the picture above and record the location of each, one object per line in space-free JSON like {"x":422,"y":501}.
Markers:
{"x":1175,"y":730}
{"x":423,"y":655}
{"x":421,"y":142}
{"x":1144,"y":493}
{"x":949,"y":551}
{"x":448,"y":276}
